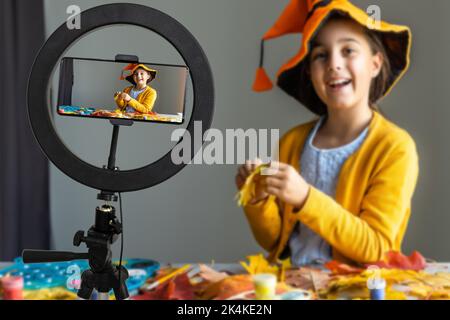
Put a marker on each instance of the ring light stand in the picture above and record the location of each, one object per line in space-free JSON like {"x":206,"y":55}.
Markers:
{"x":102,"y":275}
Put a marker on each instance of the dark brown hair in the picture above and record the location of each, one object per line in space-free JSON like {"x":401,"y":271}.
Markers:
{"x":378,"y":86}
{"x":148,"y":72}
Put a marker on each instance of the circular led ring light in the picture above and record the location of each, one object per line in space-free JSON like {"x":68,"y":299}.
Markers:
{"x":39,"y":114}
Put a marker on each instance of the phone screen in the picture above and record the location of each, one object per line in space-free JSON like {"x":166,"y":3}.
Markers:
{"x":119,"y":90}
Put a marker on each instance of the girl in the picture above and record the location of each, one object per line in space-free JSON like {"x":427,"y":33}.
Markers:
{"x":344,"y":182}
{"x":140,"y":97}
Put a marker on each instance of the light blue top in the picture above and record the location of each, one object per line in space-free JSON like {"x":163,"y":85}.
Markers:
{"x":134,"y":94}
{"x":320,"y":168}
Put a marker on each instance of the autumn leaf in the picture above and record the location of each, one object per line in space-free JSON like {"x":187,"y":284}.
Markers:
{"x":396,"y":260}
{"x":248,"y":190}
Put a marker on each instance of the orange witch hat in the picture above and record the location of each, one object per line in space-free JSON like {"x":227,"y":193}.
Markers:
{"x":306,"y":17}
{"x":132,"y":67}
{"x":291,"y":21}
{"x":128,"y":67}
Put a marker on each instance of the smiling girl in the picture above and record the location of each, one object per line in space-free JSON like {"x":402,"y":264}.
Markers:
{"x":140,"y":97}
{"x":344,"y":182}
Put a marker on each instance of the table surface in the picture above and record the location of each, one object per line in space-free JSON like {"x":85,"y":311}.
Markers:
{"x":237,"y":268}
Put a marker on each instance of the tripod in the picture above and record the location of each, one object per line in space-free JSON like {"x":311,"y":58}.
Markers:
{"x":102,"y":275}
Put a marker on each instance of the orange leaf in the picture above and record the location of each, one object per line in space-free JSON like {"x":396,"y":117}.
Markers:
{"x":337,"y":267}
{"x":396,"y":260}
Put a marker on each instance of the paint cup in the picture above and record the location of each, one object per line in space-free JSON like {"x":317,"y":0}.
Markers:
{"x":265,"y":285}
{"x":378,"y":289}
{"x":12,"y":288}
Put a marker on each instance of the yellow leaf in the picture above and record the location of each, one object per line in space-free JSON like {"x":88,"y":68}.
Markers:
{"x":259,"y":264}
{"x":248,"y":190}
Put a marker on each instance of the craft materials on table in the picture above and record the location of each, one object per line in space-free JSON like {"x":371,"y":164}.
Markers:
{"x":98,"y":112}
{"x":74,"y":110}
{"x":60,"y":280}
{"x":377,"y":290}
{"x":179,"y":283}
{"x":265,"y":285}
{"x":12,"y":287}
{"x":400,"y":278}
{"x":376,"y":284}
{"x":167,"y":277}
{"x":396,"y":277}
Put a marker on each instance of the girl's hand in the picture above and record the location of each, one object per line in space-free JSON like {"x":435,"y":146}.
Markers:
{"x":243,"y":172}
{"x":286,"y":184}
{"x":125,"y":96}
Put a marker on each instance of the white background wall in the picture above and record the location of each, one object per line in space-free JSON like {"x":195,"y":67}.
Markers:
{"x":193,"y":217}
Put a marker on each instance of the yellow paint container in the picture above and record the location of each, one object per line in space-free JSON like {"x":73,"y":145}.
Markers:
{"x":265,"y":285}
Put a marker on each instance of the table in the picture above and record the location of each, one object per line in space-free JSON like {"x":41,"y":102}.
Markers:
{"x":236,"y":268}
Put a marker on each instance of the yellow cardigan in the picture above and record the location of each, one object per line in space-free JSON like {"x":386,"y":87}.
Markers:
{"x":373,"y":198}
{"x":144,"y":102}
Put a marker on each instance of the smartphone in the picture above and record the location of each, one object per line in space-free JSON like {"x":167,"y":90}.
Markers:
{"x":108,"y":89}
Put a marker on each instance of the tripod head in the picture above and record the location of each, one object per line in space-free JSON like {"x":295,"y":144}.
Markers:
{"x":99,"y":237}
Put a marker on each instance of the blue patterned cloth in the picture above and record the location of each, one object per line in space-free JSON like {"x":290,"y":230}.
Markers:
{"x":320,"y":168}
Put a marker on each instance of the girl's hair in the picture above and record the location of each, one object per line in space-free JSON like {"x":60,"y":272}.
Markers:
{"x":378,"y":86}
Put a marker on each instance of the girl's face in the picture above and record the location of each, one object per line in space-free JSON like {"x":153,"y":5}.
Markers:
{"x":141,"y":77}
{"x":343,"y":65}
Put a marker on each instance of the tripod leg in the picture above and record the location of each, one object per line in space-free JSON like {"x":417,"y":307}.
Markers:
{"x":86,"y":286}
{"x":120,"y":289}
{"x":121,"y":293}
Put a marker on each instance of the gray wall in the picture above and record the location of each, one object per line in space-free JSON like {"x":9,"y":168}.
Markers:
{"x":193,"y":217}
